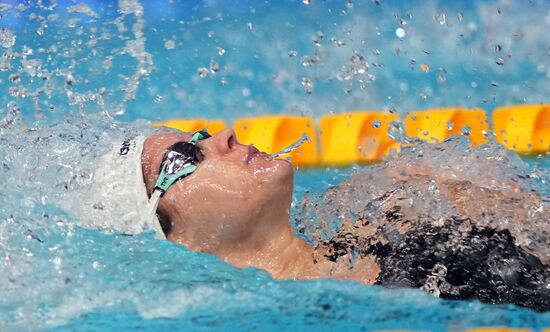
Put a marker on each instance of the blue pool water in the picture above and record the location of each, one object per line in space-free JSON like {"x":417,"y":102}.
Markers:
{"x":80,"y":64}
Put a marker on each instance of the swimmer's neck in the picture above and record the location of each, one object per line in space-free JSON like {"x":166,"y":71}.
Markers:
{"x":279,"y":252}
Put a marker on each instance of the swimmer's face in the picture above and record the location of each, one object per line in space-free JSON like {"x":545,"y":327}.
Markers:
{"x":223,"y":201}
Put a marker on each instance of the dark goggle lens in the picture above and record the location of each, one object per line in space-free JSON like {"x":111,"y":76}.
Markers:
{"x":180,"y":155}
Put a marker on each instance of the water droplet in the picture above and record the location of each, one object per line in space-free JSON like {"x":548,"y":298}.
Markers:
{"x":356,"y":66}
{"x":224,"y":81}
{"x":460,"y":16}
{"x":7,"y":38}
{"x":158,"y":99}
{"x":400,"y":32}
{"x":318,"y":38}
{"x":376,"y":124}
{"x":292,"y":54}
{"x":169,"y":44}
{"x":499,"y":61}
{"x":309,"y":61}
{"x":307,"y":83}
{"x":27,"y":50}
{"x":307,"y":2}
{"x":220,"y":51}
{"x":203,"y":72}
{"x":396,"y":132}
{"x":450,"y":125}
{"x":466,"y":130}
{"x":498,"y":48}
{"x":337,"y":42}
{"x":440,"y":18}
{"x":214,"y":67}
{"x":495,"y":84}
{"x":249,"y":26}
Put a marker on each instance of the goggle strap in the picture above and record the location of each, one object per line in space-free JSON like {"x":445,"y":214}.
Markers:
{"x":165,"y":181}
{"x":153,"y":205}
{"x":199,"y":135}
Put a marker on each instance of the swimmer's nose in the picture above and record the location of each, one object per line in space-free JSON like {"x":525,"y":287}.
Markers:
{"x":225,"y":140}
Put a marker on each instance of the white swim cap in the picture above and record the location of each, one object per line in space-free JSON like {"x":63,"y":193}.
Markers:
{"x":117,"y":198}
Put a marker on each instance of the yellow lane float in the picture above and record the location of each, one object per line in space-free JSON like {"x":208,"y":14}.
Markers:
{"x":498,"y":329}
{"x":523,"y":128}
{"x":191,"y":125}
{"x":353,"y":137}
{"x":361,"y":136}
{"x":273,"y":133}
{"x":434,"y":125}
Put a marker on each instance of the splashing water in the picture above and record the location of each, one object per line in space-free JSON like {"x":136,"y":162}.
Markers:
{"x":479,"y":215}
{"x":303,"y":139}
{"x":71,"y":272}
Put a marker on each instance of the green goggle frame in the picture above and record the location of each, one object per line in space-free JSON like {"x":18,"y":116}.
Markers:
{"x":179,"y":161}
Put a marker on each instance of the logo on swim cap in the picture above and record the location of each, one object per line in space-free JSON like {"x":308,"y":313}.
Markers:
{"x":125,"y":148}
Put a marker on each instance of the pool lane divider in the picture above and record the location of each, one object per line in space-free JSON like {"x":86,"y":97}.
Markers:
{"x":361,"y":136}
{"x":435,"y":125}
{"x":212,"y":125}
{"x":272,"y":133}
{"x":355,"y":137}
{"x":524,"y":128}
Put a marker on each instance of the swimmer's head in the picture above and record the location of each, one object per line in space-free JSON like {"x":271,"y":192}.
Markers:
{"x":235,"y":195}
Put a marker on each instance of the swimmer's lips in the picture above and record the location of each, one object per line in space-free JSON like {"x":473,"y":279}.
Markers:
{"x":254,"y":152}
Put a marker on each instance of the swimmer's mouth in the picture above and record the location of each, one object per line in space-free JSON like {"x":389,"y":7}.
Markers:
{"x":253,"y":152}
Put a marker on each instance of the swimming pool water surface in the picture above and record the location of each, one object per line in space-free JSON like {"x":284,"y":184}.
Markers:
{"x":85,"y":65}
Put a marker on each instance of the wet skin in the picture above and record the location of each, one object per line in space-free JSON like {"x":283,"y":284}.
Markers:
{"x":236,"y":205}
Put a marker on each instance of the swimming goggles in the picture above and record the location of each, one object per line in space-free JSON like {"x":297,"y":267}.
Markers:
{"x":180,"y":160}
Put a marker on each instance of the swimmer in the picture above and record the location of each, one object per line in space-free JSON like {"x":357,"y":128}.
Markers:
{"x":218,"y":196}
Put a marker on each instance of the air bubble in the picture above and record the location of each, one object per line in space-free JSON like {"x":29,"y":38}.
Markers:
{"x":466,"y":130}
{"x":220,"y":51}
{"x":376,"y":124}
{"x":249,"y":26}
